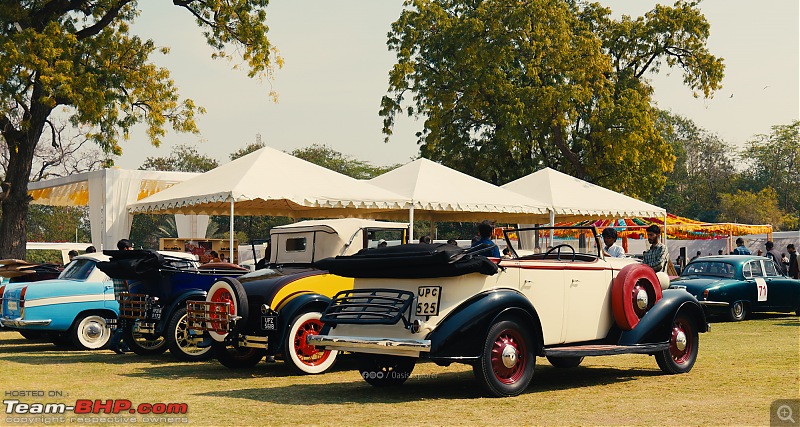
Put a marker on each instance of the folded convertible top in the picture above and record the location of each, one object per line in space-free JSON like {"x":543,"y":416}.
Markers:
{"x":409,"y":261}
{"x":132,"y":265}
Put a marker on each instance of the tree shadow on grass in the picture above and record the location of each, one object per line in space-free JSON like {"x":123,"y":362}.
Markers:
{"x":790,"y":318}
{"x":446,"y":385}
{"x":213,"y":370}
{"x":46,"y":354}
{"x":794,"y":322}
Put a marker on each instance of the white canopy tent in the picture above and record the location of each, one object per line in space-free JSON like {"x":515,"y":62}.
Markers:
{"x":271,"y":182}
{"x":571,"y":199}
{"x":443,"y":194}
{"x":108,"y":192}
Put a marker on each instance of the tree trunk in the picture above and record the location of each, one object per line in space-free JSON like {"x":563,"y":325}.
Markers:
{"x":15,"y":199}
{"x":563,"y":147}
{"x":12,"y":227}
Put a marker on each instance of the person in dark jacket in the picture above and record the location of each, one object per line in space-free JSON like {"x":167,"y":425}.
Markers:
{"x":794,"y":269}
{"x":485,"y":231}
{"x":773,"y":253}
{"x":740,"y":248}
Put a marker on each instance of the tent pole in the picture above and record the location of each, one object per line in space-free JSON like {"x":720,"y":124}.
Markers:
{"x":411,"y":223}
{"x":231,"y":235}
{"x":552,"y":224}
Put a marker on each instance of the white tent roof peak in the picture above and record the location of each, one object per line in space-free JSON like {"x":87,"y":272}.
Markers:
{"x":445,"y":192}
{"x":572,"y":197}
{"x":270,"y":182}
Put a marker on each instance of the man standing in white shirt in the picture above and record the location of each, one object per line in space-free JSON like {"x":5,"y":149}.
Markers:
{"x":610,"y":239}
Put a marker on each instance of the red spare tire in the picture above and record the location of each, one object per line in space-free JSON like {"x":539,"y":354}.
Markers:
{"x":635,"y":291}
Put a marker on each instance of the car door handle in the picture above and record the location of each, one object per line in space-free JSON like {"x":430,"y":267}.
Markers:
{"x":527,"y":284}
{"x":109,"y":286}
{"x":575,"y":282}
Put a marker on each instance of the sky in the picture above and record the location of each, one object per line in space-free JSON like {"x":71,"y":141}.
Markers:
{"x":337,"y":63}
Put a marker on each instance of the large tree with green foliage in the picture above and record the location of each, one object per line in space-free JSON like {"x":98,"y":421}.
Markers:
{"x":147,"y":229}
{"x":748,"y":207}
{"x":327,"y":157}
{"x":704,"y":169}
{"x":509,"y":87}
{"x":78,"y":57}
{"x":773,"y":160}
{"x":182,"y":158}
{"x":247,"y":149}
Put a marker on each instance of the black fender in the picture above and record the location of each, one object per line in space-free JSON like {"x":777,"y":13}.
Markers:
{"x":175,"y":303}
{"x":656,"y":324}
{"x":461,"y":334}
{"x":298,"y":304}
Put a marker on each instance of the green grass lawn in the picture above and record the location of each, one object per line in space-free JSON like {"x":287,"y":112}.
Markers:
{"x":741,"y":369}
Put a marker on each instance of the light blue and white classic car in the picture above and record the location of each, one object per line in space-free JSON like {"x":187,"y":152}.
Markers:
{"x":74,"y":308}
{"x":77,"y":308}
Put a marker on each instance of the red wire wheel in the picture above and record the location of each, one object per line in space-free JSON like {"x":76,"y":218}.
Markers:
{"x":226,"y":290}
{"x":305,"y":358}
{"x":635,"y":291}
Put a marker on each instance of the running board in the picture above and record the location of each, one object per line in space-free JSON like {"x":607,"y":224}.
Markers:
{"x":605,"y":350}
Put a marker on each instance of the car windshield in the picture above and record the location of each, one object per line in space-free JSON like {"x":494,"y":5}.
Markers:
{"x":180,"y":263}
{"x":78,"y":269}
{"x":553,"y":242}
{"x":384,"y":237}
{"x":709,"y":268}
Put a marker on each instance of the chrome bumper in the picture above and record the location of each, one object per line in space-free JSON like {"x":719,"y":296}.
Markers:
{"x":714,"y":303}
{"x":21,"y":323}
{"x":349,"y":343}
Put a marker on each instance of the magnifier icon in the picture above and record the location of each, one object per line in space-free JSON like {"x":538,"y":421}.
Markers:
{"x":784,"y":413}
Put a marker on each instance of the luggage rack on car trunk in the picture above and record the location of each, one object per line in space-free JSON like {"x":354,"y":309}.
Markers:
{"x":370,"y":306}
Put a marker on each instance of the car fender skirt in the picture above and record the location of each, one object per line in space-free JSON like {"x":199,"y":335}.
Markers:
{"x":656,"y":324}
{"x":463,"y":331}
{"x":298,"y":304}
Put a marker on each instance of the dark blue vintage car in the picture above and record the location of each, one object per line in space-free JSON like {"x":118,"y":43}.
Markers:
{"x":737,"y":285}
{"x":152,"y":290}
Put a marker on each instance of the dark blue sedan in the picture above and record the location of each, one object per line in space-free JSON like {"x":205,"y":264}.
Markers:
{"x":737,"y":285}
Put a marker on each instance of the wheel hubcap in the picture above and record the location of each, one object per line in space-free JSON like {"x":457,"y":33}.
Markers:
{"x":680,"y":341}
{"x":641,"y":299}
{"x":680,"y":347}
{"x":509,"y":356}
{"x":93,"y":331}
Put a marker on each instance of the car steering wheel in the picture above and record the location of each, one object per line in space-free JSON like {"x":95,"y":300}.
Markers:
{"x":558,"y":247}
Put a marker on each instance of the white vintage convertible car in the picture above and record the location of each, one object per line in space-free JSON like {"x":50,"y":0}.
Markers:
{"x":441,"y":303}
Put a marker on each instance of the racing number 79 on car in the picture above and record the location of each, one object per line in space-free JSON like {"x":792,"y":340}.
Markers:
{"x":428,"y":300}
